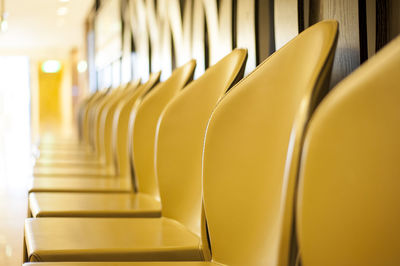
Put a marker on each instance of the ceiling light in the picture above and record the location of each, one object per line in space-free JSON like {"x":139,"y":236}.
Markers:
{"x":51,"y":66}
{"x":82,"y":66}
{"x":62,"y":11}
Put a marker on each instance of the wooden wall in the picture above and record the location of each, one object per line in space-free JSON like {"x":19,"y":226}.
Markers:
{"x":164,"y":34}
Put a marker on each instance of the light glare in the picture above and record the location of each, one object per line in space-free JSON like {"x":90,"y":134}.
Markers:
{"x":4,"y":25}
{"x":62,"y":11}
{"x":51,"y":66}
{"x":82,"y":66}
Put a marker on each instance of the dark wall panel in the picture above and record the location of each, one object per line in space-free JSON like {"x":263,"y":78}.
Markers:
{"x":265,"y":41}
{"x":394,"y":19}
{"x":371,"y":26}
{"x":348,"y":48}
{"x":387,"y":21}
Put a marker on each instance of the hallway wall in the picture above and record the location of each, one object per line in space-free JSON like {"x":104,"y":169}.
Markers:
{"x":163,"y":34}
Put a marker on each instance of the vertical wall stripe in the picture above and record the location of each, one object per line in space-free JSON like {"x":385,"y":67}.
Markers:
{"x":140,"y":38}
{"x":219,"y":28}
{"x":265,"y":39}
{"x":371,"y":26}
{"x":382,"y":33}
{"x":198,"y":49}
{"x":362,"y":25}
{"x":286,"y":21}
{"x":246,"y":31}
{"x":347,"y":57}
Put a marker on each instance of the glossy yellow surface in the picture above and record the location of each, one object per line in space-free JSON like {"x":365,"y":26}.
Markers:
{"x":251,"y":150}
{"x":144,"y":123}
{"x":81,"y":183}
{"x":89,"y":162}
{"x":103,"y":111}
{"x":72,"y":148}
{"x":94,"y":119}
{"x":85,"y":116}
{"x":110,"y":239}
{"x":86,"y":119}
{"x":165,"y":263}
{"x":65,"y":154}
{"x":115,"y":95}
{"x":97,"y":97}
{"x":120,"y":128}
{"x":348,"y":205}
{"x":143,"y":204}
{"x":105,"y":122}
{"x":80,"y":239}
{"x":76,"y":171}
{"x":180,"y":138}
{"x":93,"y":205}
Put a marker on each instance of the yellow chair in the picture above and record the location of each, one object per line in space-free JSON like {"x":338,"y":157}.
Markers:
{"x":92,"y":182}
{"x":348,"y":204}
{"x":145,"y":202}
{"x":99,"y":166}
{"x":92,"y":115}
{"x":171,"y":237}
{"x":74,"y":141}
{"x":71,"y":144}
{"x":78,"y":140}
{"x":85,"y":148}
{"x":101,"y":120}
{"x":99,"y":97}
{"x":99,"y":126}
{"x":250,"y":161}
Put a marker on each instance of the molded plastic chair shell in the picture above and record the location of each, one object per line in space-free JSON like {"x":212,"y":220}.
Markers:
{"x":348,"y":205}
{"x":251,"y":150}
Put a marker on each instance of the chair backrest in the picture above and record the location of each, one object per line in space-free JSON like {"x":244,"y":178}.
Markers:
{"x":251,"y":150}
{"x":349,"y":194}
{"x":180,"y":135}
{"x":92,"y":115}
{"x":85,"y":115}
{"x":143,"y":124}
{"x":97,"y":110}
{"x":119,"y":138}
{"x":106,"y":125}
{"x":104,"y":122}
{"x":81,"y":113}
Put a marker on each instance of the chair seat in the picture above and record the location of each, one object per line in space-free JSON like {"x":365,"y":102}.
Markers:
{"x":65,"y":147}
{"x":46,"y":204}
{"x":65,"y":152}
{"x":72,"y":171}
{"x":156,"y":263}
{"x":94,"y":162}
{"x":67,"y":156}
{"x":81,"y":184}
{"x":58,"y":139}
{"x":110,"y":239}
